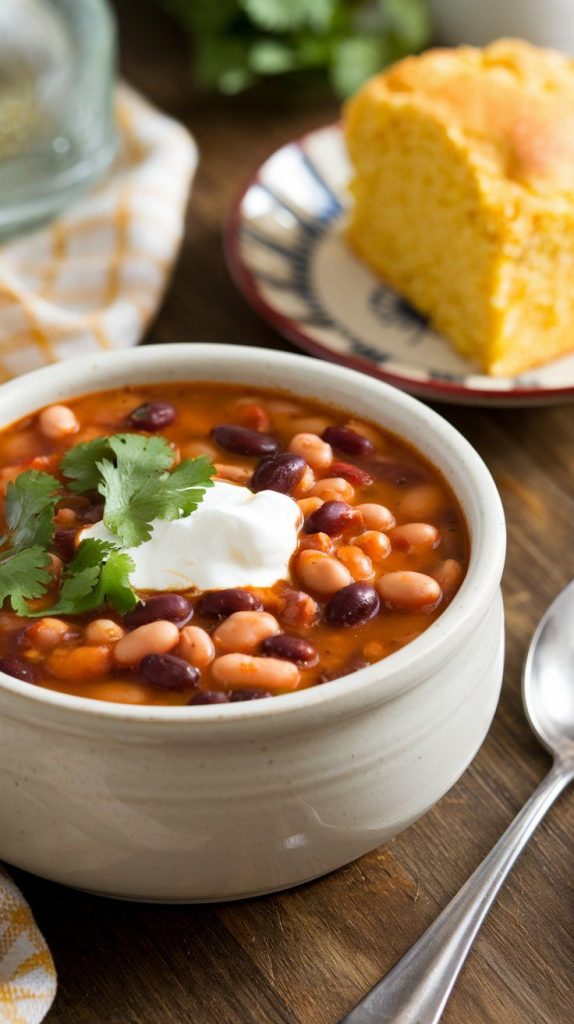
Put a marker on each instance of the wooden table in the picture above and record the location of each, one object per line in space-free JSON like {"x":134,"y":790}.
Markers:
{"x":308,"y":955}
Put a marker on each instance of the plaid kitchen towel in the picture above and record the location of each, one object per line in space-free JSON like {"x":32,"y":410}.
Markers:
{"x":94,"y":277}
{"x":90,"y":280}
{"x":27,"y":974}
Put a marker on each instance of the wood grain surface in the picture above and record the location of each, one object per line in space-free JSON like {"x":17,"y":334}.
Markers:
{"x":306,"y":956}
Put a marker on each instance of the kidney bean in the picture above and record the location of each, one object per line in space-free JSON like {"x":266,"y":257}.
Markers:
{"x":92,"y":514}
{"x":353,"y":605}
{"x":208,"y":697}
{"x":168,"y":671}
{"x":290,"y":648}
{"x":236,"y":696}
{"x":153,"y":416}
{"x":352,"y":474}
{"x":281,"y":472}
{"x":172,"y":607}
{"x":218,"y":604}
{"x":347,"y":440}
{"x":353,"y":664}
{"x":409,"y":591}
{"x":244,"y":631}
{"x":65,"y":544}
{"x":389,"y":470}
{"x":243,"y":440}
{"x":316,"y":452}
{"x":332,"y":518}
{"x":18,"y":668}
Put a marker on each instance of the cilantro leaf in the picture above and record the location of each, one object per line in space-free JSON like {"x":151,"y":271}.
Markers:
{"x":80,"y":464}
{"x":130,"y":487}
{"x":29,"y":509}
{"x":24,"y":575}
{"x":98,"y":574}
{"x":182,"y":490}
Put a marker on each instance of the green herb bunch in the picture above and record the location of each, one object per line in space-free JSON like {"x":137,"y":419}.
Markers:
{"x":237,"y":42}
{"x":136,"y":477}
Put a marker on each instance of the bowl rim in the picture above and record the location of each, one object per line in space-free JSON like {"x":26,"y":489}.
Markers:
{"x":402,"y":668}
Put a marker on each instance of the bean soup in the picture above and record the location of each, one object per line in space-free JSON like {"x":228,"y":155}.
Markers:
{"x":197,"y":544}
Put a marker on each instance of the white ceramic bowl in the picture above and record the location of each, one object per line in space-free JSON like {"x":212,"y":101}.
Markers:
{"x":220,"y":802}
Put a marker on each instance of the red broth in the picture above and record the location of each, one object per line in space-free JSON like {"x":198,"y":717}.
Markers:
{"x":382,"y":550}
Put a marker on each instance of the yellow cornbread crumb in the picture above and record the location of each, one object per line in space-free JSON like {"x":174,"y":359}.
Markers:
{"x":464,"y":196}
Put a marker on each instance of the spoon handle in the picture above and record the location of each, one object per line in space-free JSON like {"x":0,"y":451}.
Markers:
{"x":416,"y":990}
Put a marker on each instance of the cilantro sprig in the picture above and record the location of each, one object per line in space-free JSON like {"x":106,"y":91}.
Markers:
{"x":24,"y":561}
{"x":130,"y":471}
{"x":134,"y":475}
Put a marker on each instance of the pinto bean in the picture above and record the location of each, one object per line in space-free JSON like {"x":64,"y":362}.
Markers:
{"x":244,"y":631}
{"x":119,"y":691}
{"x":47,"y":633}
{"x":218,"y":604}
{"x":353,"y":605}
{"x":333,"y":488}
{"x":172,"y":607}
{"x":414,"y":537}
{"x":308,"y":505}
{"x":235,"y":474}
{"x":409,"y":591}
{"x":58,"y":421}
{"x":316,"y":452}
{"x":243,"y":441}
{"x":374,"y":543}
{"x":196,"y":646}
{"x":349,"y":441}
{"x":158,"y":637}
{"x":317,"y":542}
{"x":322,"y":573}
{"x":281,"y":472}
{"x":422,"y":502}
{"x":245,"y":672}
{"x":298,"y":609}
{"x":79,"y":663}
{"x":448,"y":575}
{"x":305,"y":484}
{"x":153,"y":416}
{"x":103,"y":631}
{"x":357,"y":562}
{"x":376,"y":517}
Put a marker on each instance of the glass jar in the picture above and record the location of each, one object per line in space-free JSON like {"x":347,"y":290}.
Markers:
{"x":57,"y":134}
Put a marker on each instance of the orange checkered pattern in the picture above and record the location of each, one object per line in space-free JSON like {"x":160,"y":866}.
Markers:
{"x":94,"y":277}
{"x":27,"y":973}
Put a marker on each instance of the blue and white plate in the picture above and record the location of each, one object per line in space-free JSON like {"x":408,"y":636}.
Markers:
{"x":286,"y":250}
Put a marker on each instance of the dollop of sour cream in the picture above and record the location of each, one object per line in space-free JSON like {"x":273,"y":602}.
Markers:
{"x":235,"y":538}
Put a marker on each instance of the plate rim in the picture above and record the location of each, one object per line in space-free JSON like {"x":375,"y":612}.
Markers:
{"x":246,"y":282}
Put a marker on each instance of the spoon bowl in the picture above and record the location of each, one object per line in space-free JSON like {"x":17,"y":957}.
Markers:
{"x":548,"y":680}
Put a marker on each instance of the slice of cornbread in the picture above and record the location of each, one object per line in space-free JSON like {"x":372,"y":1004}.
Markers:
{"x":464,"y":196}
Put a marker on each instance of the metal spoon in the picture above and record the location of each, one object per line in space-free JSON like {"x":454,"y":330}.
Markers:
{"x":416,"y":990}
